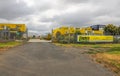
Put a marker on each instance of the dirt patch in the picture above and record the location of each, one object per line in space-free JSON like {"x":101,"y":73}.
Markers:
{"x":112,"y":62}
{"x":2,"y":50}
{"x":98,"y":53}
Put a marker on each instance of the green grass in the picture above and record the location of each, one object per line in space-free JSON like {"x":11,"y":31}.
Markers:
{"x":114,"y":50}
{"x":91,"y":45}
{"x":107,"y":54}
{"x":9,"y":44}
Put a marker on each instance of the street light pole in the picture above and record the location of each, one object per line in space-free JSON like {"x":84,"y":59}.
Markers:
{"x":52,"y":36}
{"x":69,"y":33}
{"x":27,"y":33}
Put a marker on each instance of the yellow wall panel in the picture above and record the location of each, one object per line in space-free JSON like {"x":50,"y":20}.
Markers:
{"x":22,"y":27}
{"x":94,"y":38}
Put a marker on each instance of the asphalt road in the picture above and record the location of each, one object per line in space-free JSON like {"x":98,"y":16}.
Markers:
{"x":45,"y":59}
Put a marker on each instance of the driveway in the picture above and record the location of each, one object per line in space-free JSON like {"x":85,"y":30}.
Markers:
{"x":40,"y":58}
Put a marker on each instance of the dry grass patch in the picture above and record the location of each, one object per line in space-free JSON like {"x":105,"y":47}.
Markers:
{"x":106,"y":54}
{"x":111,"y":61}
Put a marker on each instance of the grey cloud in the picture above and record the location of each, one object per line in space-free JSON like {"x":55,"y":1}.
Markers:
{"x":74,"y":19}
{"x":75,"y":1}
{"x":37,"y":27}
{"x":107,"y":8}
{"x":9,"y":9}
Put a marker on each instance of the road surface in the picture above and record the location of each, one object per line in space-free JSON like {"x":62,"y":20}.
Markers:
{"x":41,"y":58}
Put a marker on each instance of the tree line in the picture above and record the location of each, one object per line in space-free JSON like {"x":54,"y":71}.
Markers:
{"x":112,"y":29}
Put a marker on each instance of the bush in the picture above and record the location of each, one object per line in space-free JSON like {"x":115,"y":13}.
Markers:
{"x":116,"y":40}
{"x":63,"y":41}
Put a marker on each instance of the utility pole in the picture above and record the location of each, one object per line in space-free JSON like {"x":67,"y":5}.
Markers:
{"x":27,"y":33}
{"x":69,"y":34}
{"x":52,"y":36}
{"x":5,"y":30}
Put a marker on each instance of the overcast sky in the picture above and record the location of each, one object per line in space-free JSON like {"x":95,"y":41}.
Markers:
{"x":41,"y":16}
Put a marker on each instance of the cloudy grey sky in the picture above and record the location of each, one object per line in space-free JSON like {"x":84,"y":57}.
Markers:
{"x":41,"y":16}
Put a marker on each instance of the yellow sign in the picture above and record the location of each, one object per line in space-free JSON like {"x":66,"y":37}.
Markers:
{"x":21,"y":27}
{"x":94,"y":38}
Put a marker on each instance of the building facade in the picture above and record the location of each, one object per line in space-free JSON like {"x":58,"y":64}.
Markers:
{"x":12,"y":31}
{"x":92,"y":30}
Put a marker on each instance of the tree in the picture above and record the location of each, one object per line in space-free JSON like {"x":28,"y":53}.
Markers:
{"x":49,"y":36}
{"x":33,"y":36}
{"x":119,"y":30}
{"x":111,"y":29}
{"x":58,"y":34}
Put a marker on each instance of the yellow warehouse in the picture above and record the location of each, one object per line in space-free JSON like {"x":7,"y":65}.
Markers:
{"x":71,"y":30}
{"x":14,"y":27}
{"x":12,"y":31}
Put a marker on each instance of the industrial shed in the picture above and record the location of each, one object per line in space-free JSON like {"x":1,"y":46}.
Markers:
{"x":12,"y":31}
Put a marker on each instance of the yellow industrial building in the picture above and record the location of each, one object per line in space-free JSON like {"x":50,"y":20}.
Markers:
{"x":93,"y":33}
{"x":72,"y":30}
{"x":12,"y":31}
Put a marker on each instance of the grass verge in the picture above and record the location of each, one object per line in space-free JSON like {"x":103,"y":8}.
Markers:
{"x":90,"y":45}
{"x":106,"y":54}
{"x":6,"y":45}
{"x":110,"y":58}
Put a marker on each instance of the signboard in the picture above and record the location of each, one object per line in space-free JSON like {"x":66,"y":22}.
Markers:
{"x":94,"y":38}
{"x":82,"y":38}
